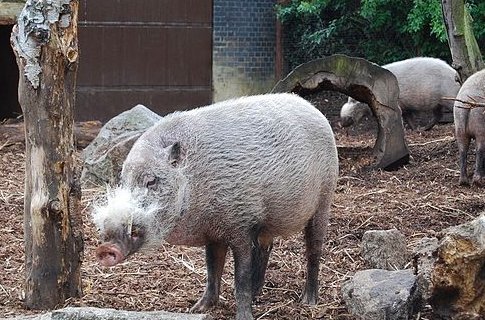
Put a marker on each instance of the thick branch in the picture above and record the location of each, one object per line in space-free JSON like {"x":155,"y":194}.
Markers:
{"x":470,"y":104}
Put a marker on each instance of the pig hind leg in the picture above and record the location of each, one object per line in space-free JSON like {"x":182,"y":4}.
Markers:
{"x":242,"y":251}
{"x":463,"y":142}
{"x":261,"y":250}
{"x":315,"y":231}
{"x":479,"y":174}
{"x":215,"y":258}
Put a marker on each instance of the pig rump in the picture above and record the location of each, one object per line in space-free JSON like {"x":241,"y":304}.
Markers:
{"x":353,"y":111}
{"x":470,"y":124}
{"x":233,"y":175}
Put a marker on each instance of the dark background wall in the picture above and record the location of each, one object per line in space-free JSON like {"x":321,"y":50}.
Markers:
{"x":9,"y":78}
{"x":152,"y":52}
{"x":166,"y":54}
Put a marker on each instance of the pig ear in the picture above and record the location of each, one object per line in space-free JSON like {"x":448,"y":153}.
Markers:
{"x":175,"y":154}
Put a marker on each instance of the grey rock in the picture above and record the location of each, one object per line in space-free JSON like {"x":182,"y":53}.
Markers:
{"x":90,"y":313}
{"x":424,"y":257}
{"x":377,"y":294}
{"x":104,"y":156}
{"x":45,"y":316}
{"x":385,"y":249}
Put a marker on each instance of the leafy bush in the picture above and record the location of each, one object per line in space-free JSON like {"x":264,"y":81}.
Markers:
{"x":381,"y":31}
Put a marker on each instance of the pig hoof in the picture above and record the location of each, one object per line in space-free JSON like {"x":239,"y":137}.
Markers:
{"x":464,"y":182}
{"x":203,"y":305}
{"x":308,"y":299}
{"x":199,"y":308}
{"x":478,"y":181}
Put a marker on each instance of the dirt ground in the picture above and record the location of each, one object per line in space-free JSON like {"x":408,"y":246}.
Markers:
{"x":420,"y":199}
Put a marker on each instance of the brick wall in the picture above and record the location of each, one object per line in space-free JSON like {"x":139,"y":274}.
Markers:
{"x":244,"y":36}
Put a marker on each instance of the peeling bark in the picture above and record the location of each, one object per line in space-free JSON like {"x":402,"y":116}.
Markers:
{"x":465,"y":52}
{"x":45,"y":43}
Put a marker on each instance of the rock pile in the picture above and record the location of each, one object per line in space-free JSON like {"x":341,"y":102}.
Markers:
{"x":448,"y":274}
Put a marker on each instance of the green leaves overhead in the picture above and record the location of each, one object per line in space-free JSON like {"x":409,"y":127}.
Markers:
{"x":426,"y":14}
{"x":379,"y":30}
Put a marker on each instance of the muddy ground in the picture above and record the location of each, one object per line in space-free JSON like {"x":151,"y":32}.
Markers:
{"x":420,"y":199}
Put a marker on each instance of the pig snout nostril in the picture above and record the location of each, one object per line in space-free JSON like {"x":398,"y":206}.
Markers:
{"x":101,"y":255}
{"x":108,"y":255}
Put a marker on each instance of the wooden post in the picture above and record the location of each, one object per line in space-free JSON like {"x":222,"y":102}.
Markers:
{"x":279,"y":50}
{"x":465,"y":52}
{"x":45,"y":43}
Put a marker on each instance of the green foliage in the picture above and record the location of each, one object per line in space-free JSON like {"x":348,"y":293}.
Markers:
{"x":477,"y":11}
{"x":316,"y":28}
{"x":378,"y":30}
{"x":426,"y":14}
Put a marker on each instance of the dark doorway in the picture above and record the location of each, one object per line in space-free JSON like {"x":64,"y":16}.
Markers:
{"x":9,"y":77}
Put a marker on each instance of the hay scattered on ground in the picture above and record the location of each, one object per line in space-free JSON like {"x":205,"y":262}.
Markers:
{"x":419,"y":200}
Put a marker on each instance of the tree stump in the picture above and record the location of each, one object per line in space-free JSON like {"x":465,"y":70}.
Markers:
{"x":366,"y":82}
{"x":45,"y":43}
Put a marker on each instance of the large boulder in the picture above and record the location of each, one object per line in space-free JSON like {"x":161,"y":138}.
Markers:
{"x":103,"y":157}
{"x":385,"y":249}
{"x":381,"y":294}
{"x":452,"y":271}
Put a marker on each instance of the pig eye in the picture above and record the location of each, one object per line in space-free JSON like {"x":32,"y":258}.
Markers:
{"x":150,"y":181}
{"x":136,"y":233}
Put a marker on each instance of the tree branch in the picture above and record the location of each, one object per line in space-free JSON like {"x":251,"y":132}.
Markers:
{"x":472,"y":103}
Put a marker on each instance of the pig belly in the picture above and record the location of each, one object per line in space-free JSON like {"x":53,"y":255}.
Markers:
{"x":293,"y":223}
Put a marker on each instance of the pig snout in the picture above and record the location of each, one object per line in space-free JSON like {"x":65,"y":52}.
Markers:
{"x":109,"y":254}
{"x":346,"y":121}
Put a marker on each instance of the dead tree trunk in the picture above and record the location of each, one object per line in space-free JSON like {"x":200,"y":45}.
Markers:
{"x":45,"y":43}
{"x":465,"y":52}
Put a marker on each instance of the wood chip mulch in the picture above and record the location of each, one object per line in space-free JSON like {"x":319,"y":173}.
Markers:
{"x":420,"y":199}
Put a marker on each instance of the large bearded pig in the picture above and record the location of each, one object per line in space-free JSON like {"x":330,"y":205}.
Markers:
{"x":233,"y":175}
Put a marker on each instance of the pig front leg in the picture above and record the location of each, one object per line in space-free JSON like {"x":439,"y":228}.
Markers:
{"x":408,"y":117}
{"x":242,"y":278}
{"x":215,"y":255}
